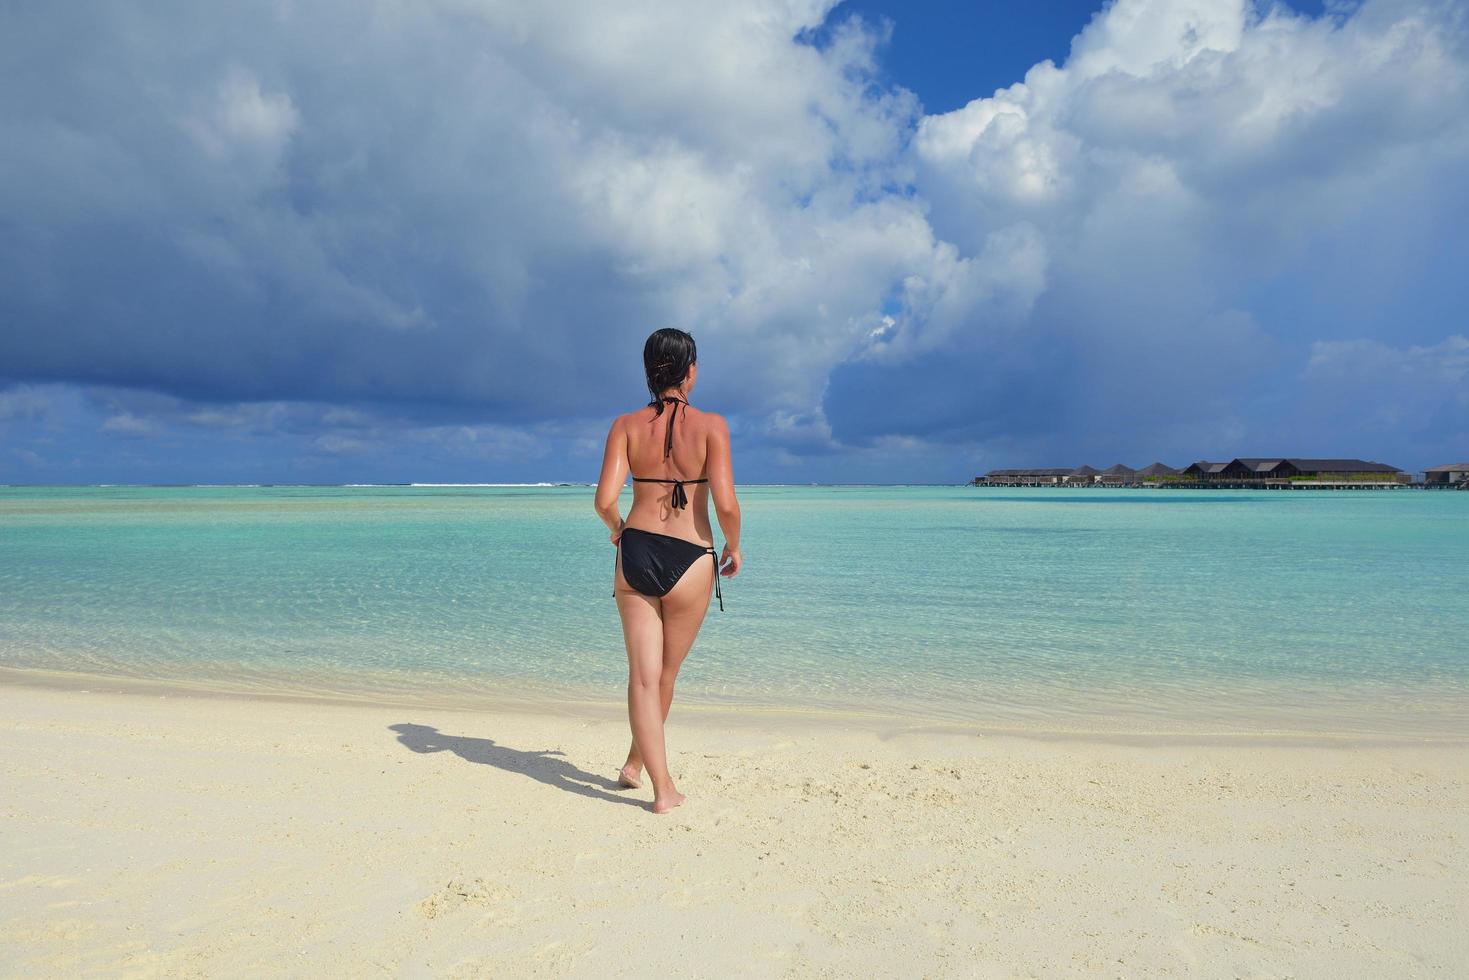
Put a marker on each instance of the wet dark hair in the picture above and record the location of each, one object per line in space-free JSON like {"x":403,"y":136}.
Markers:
{"x":667,"y":357}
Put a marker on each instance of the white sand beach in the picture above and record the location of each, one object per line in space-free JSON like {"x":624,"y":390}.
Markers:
{"x":156,"y":832}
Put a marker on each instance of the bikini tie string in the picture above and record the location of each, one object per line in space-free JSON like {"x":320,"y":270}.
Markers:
{"x":672,"y":414}
{"x":680,"y":499}
{"x":717,"y":593}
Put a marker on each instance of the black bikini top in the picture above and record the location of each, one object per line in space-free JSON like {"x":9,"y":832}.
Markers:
{"x":680,"y":499}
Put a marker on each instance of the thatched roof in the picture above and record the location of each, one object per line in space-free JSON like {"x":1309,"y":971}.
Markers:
{"x":1259,"y":464}
{"x":1340,"y":465}
{"x":1449,"y":468}
{"x":1157,"y":469}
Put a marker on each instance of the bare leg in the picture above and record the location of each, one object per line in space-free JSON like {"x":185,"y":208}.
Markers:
{"x":683,"y":609}
{"x":632,"y":769}
{"x":642,"y":631}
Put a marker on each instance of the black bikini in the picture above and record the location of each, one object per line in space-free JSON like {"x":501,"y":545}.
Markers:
{"x":652,"y":563}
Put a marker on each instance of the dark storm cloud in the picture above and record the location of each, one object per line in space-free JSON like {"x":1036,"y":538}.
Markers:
{"x":390,"y":236}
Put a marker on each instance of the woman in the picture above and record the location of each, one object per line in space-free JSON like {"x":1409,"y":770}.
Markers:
{"x":680,"y":458}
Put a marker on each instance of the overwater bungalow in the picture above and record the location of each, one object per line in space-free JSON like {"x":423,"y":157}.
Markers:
{"x":1241,"y":472}
{"x":1156,"y":471}
{"x":1034,"y":476}
{"x":1271,"y":470}
{"x":1448,"y":473}
{"x":1203,"y":470}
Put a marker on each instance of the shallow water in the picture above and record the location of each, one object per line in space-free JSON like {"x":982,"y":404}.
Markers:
{"x":1038,"y":608}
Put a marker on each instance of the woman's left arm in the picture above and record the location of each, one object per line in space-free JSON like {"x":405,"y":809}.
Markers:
{"x":614,"y":475}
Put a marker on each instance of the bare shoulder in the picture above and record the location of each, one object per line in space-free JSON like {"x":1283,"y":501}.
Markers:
{"x":716,"y":431}
{"x":621,"y":424}
{"x":627,"y":418}
{"x":714,"y":424}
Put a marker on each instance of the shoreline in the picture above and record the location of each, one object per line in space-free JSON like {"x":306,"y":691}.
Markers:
{"x":885,"y":724}
{"x":156,"y":834}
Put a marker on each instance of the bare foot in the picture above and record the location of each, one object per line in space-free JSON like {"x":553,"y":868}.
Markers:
{"x":627,"y":777}
{"x":666,"y":803}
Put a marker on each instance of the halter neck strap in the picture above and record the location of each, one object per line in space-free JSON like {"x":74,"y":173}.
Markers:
{"x":672,"y":415}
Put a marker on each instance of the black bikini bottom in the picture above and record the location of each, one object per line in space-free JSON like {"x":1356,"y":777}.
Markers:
{"x":653,"y":563}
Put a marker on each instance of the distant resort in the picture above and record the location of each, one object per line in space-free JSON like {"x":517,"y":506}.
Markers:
{"x":1242,"y":473}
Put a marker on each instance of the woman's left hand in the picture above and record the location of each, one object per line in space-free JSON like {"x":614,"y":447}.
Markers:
{"x":618,"y":533}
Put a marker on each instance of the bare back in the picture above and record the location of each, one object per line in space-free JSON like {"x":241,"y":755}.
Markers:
{"x":652,"y":508}
{"x":699,"y":450}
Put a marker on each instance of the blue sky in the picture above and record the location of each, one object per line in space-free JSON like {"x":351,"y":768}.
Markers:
{"x":337,"y":241}
{"x":951,"y":52}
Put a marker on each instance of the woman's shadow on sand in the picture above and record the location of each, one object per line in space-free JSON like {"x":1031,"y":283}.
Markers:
{"x":540,"y":766}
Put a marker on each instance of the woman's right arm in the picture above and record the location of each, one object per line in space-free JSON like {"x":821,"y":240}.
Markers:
{"x":721,"y":488}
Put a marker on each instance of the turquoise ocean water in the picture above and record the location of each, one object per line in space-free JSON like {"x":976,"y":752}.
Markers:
{"x":1050,"y":609}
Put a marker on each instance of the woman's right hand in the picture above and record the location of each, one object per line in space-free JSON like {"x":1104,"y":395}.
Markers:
{"x":732,"y":556}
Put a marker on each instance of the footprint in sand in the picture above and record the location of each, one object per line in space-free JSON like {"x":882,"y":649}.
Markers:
{"x":462,"y":892}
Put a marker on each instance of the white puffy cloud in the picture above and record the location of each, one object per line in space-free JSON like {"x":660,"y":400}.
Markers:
{"x":1204,"y":98}
{"x":1214,"y":185}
